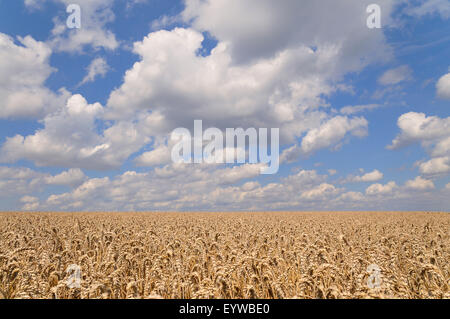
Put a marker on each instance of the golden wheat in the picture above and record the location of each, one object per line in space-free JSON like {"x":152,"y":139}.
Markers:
{"x":226,"y":255}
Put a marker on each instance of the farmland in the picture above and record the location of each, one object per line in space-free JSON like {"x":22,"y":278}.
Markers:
{"x":225,"y":255}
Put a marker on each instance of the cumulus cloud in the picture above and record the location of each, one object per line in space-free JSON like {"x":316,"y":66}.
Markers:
{"x":15,"y":181}
{"x":260,"y":76}
{"x":171,"y":78}
{"x":212,"y":187}
{"x":271,"y":27}
{"x":420,"y":183}
{"x":396,"y":75}
{"x":443,"y":87}
{"x":320,"y":192}
{"x":274,"y":68}
{"x":70,"y":139}
{"x":435,"y":166}
{"x":73,"y":177}
{"x":332,"y":131}
{"x":417,"y":127}
{"x":351,"y":197}
{"x":373,"y":176}
{"x":95,"y":16}
{"x":30,"y":202}
{"x":327,"y":135}
{"x":380,"y":189}
{"x":237,"y":173}
{"x":290,"y":154}
{"x":205,"y":187}
{"x":97,"y":68}
{"x":24,"y":68}
{"x":158,"y":156}
{"x":332,"y":172}
{"x":429,"y":7}
{"x":433,"y":133}
{"x":349,"y":110}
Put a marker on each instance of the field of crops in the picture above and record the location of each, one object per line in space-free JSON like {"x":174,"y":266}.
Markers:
{"x":224,"y":255}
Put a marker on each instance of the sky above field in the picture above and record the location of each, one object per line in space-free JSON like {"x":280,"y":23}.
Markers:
{"x":86,"y":113}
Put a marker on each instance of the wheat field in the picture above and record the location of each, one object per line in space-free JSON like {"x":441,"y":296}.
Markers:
{"x":225,"y":255}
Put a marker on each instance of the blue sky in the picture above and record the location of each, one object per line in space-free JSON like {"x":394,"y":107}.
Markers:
{"x":363,"y":113}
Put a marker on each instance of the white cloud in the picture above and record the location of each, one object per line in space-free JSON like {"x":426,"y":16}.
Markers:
{"x":29,"y":199}
{"x":95,"y":15}
{"x":332,"y":131}
{"x":131,"y":3}
{"x":158,"y":156}
{"x":420,"y":183}
{"x":275,"y":68}
{"x":237,"y":173}
{"x":417,"y":127}
{"x":352,"y":197}
{"x":89,"y":190}
{"x":332,"y":172}
{"x":182,"y":86}
{"x":202,"y":187}
{"x":326,"y":135}
{"x":72,"y":177}
{"x":433,"y":133}
{"x":159,"y":189}
{"x":33,"y":3}
{"x":164,"y":21}
{"x":435,"y":166}
{"x":208,"y":187}
{"x":290,"y":155}
{"x":24,"y":69}
{"x":30,"y":203}
{"x":70,"y":139}
{"x":98,"y":67}
{"x":441,"y":148}
{"x":172,"y":79}
{"x":261,"y":76}
{"x":14,"y":181}
{"x":373,"y":176}
{"x":396,"y":75}
{"x":443,"y":87}
{"x":320,"y":192}
{"x":212,"y":187}
{"x":428,"y":7}
{"x":272,"y":27}
{"x":349,"y":110}
{"x":379,"y":189}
